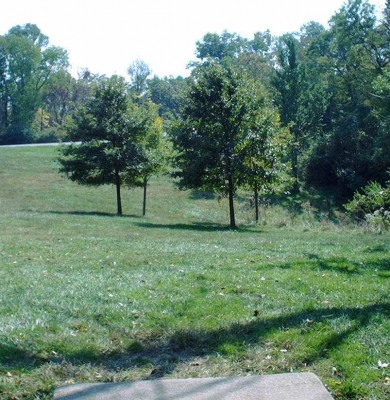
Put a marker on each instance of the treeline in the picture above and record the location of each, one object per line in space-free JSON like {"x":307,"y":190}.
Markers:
{"x":328,"y":86}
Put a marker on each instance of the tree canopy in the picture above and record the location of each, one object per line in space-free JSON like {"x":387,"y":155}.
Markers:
{"x":327,"y":86}
{"x":116,"y":138}
{"x":220,"y":130}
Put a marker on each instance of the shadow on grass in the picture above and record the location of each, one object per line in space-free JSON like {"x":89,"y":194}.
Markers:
{"x":92,"y":213}
{"x":341,"y":265}
{"x":189,"y":344}
{"x":202,"y":195}
{"x":163,"y":355}
{"x":198,"y":226}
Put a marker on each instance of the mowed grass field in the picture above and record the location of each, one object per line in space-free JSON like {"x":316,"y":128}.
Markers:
{"x":86,"y":296}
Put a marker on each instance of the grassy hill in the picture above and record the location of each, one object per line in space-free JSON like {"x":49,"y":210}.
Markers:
{"x":86,"y":296}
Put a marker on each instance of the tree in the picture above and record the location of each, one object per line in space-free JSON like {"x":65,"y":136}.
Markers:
{"x":139,"y":72}
{"x":351,"y":54}
{"x":380,"y":155}
{"x":264,"y":151}
{"x":109,"y":131}
{"x":300,"y":95}
{"x":217,"y":47}
{"x":26,"y":64}
{"x":151,"y":148}
{"x":150,"y":144}
{"x":168,"y":94}
{"x":219,"y":116}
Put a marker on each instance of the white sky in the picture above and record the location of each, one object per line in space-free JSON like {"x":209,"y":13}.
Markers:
{"x":106,"y":36}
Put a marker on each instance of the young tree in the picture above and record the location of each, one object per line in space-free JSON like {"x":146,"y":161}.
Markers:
{"x":217,"y":128}
{"x":151,"y":148}
{"x":264,"y":152}
{"x":150,"y":144}
{"x":109,"y":132}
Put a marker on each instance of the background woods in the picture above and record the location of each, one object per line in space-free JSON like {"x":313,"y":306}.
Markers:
{"x":327,"y":86}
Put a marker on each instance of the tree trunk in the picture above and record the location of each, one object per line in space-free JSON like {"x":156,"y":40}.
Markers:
{"x":256,"y":203}
{"x":41,"y":119}
{"x":4,"y":123}
{"x":145,"y":184}
{"x":118,"y":192}
{"x":294,"y":165}
{"x":231,"y":203}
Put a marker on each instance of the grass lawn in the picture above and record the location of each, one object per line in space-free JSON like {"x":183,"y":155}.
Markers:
{"x":86,"y":296}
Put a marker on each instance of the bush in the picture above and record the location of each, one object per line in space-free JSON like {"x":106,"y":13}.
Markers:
{"x":47,"y":136}
{"x":373,"y":205}
{"x":15,"y":134}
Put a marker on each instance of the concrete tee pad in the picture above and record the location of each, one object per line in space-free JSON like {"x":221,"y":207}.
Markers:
{"x":297,"y":386}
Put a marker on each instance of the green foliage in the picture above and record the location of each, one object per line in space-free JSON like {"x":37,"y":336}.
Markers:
{"x":168,"y":93}
{"x":106,"y":131}
{"x":224,"y":139}
{"x":349,"y":56}
{"x":373,"y":205}
{"x":119,"y":140}
{"x":330,"y":86}
{"x":139,"y":72}
{"x":26,"y":65}
{"x":209,"y":132}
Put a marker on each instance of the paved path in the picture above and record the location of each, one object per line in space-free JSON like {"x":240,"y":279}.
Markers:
{"x":37,"y":144}
{"x":299,"y":386}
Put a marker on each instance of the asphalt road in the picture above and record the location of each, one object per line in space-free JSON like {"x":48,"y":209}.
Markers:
{"x":38,"y":144}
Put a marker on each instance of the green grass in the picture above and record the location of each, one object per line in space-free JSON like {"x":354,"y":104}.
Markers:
{"x":86,"y":296}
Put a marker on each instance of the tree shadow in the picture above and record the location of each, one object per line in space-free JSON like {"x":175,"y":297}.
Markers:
{"x":381,"y":248}
{"x":92,"y":213}
{"x":198,"y":226}
{"x":188,"y":344}
{"x":185,"y":345}
{"x":342,"y":265}
{"x":165,"y":355}
{"x":202,"y":195}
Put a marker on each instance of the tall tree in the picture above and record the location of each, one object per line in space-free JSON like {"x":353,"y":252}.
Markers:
{"x":168,"y":94}
{"x":264,"y":151}
{"x":217,"y":47}
{"x":26,"y":64}
{"x":150,"y":144}
{"x":151,"y":147}
{"x":219,"y":117}
{"x":108,"y":131}
{"x":139,"y":72}
{"x":351,"y":54}
{"x":300,"y":95}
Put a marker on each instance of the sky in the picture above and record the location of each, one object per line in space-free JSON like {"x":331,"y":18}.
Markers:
{"x":106,"y":36}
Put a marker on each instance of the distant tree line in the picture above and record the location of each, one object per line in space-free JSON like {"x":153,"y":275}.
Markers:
{"x":309,"y":108}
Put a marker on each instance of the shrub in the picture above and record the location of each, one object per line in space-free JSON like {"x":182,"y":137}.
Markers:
{"x":373,"y":205}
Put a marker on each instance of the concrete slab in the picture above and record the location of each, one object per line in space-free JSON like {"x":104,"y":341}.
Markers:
{"x":299,"y":386}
